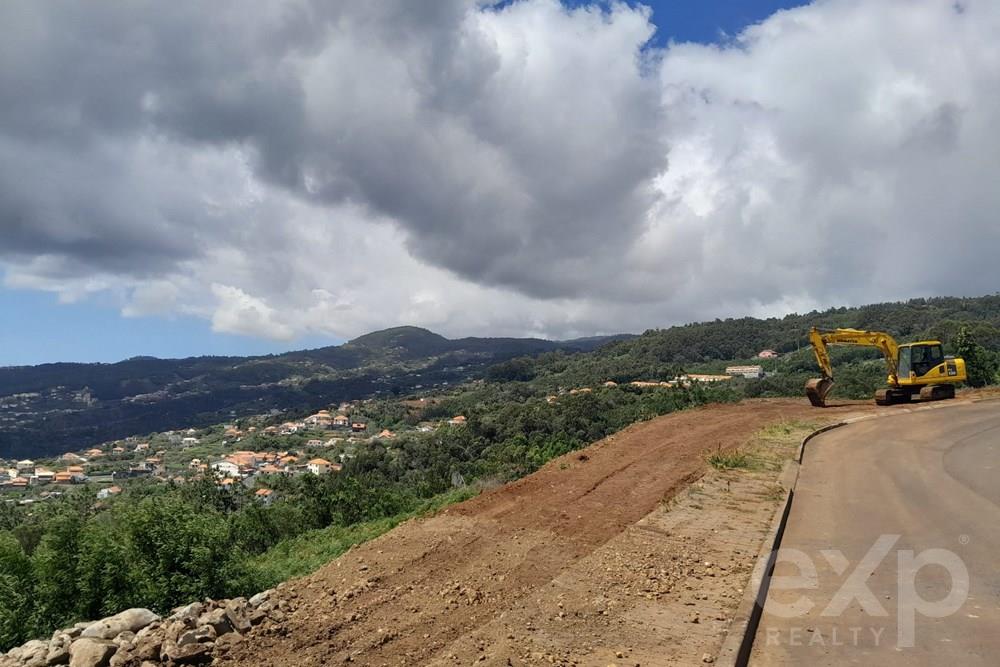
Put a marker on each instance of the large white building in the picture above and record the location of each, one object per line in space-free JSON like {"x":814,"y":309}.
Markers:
{"x":752,"y":372}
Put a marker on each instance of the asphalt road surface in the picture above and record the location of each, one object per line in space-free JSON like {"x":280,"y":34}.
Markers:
{"x":891,"y":555}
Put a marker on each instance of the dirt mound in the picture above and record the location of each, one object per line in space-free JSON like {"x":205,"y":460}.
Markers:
{"x":522,"y":567}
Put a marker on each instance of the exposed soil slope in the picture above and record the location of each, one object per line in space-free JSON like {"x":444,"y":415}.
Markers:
{"x":538,"y":571}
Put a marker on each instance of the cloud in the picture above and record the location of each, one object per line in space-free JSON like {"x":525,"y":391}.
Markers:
{"x":317,"y":168}
{"x":239,"y":313}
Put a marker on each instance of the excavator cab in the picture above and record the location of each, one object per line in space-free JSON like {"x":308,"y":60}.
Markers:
{"x":919,"y":359}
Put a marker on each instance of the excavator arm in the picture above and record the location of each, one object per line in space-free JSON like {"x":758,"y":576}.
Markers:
{"x":818,"y":388}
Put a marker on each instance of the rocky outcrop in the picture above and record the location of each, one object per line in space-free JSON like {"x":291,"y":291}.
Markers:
{"x":192,"y":635}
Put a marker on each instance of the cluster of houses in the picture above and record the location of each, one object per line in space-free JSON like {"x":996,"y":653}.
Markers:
{"x":236,"y":467}
{"x":25,"y":473}
{"x":323,"y":420}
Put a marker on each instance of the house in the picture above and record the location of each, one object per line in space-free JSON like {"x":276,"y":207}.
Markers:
{"x":271,"y":469}
{"x":314,"y":443}
{"x":194,"y":464}
{"x":341,"y":421}
{"x":108,"y":492}
{"x":63,"y":478}
{"x":19,"y":482}
{"x":750,"y":372}
{"x":321,"y":419}
{"x":70,"y":457}
{"x":43,"y":476}
{"x":319,"y":466}
{"x":94,"y":453}
{"x":288,"y":460}
{"x":25,"y":467}
{"x":187,"y":442}
{"x":142,"y":447}
{"x":118,"y":450}
{"x":77,"y":474}
{"x":386,"y":434}
{"x":226,"y":468}
{"x":358,"y":427}
{"x":767,"y":354}
{"x":265,"y":496}
{"x":457,"y":420}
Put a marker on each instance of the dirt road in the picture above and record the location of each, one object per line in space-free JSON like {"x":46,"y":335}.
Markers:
{"x":575,"y":564}
{"x":910,"y":504}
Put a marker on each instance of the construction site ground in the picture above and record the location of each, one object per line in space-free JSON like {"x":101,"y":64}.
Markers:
{"x":633,"y":551}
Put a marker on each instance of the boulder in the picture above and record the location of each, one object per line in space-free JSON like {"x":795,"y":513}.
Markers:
{"x":193,"y":610}
{"x":34,"y":653}
{"x":218,"y":619}
{"x":91,"y":652}
{"x":148,"y":642}
{"x":189,"y":654}
{"x":130,"y":620}
{"x":201,"y":635}
{"x":259,"y":599}
{"x":58,"y":650}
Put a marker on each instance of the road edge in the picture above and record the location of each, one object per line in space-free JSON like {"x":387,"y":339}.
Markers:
{"x":738,"y":645}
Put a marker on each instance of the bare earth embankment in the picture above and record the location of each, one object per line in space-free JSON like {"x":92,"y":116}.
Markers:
{"x":582,"y":563}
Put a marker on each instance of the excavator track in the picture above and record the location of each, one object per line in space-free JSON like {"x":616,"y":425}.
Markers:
{"x":937,"y":392}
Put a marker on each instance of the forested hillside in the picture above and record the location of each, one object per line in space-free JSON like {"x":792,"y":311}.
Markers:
{"x":54,"y":407}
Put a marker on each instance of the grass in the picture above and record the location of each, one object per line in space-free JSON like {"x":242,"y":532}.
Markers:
{"x":309,"y":551}
{"x":768,"y":449}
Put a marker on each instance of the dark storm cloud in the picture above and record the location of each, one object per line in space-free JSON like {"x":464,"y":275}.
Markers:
{"x":297,"y":166}
{"x":502,"y":170}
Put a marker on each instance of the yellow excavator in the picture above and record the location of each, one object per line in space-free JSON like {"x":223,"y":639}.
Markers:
{"x":914,"y":368}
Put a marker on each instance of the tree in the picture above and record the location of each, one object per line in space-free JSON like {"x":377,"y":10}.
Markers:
{"x":980,"y":364}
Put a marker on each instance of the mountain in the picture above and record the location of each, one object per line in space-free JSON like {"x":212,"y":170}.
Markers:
{"x":50,"y":408}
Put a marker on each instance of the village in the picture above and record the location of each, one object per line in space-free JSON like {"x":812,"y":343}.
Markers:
{"x":249,"y":450}
{"x":245,"y":452}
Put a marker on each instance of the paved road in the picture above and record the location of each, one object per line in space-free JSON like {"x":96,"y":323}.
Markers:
{"x":920,"y":488}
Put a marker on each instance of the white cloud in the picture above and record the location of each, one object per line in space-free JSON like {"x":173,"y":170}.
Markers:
{"x":239,"y":313}
{"x":331,"y":169}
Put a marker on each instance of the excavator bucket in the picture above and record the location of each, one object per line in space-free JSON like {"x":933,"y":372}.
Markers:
{"x":817,"y":389}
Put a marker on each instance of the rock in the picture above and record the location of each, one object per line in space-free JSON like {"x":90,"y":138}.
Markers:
{"x":259,"y":599}
{"x":190,"y":654}
{"x":147,"y":643}
{"x":201,"y":635}
{"x":707,"y":658}
{"x":218,"y":619}
{"x":58,"y":650}
{"x":237,"y":620}
{"x":193,"y":610}
{"x":91,"y":652}
{"x":226,"y":642}
{"x":34,"y":653}
{"x":130,"y":620}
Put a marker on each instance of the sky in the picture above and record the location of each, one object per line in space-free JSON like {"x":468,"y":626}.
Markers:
{"x":187,"y":178}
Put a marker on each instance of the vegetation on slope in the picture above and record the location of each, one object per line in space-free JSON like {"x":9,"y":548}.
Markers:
{"x":160,"y":545}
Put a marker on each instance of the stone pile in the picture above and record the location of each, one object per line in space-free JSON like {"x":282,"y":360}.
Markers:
{"x":192,"y":635}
